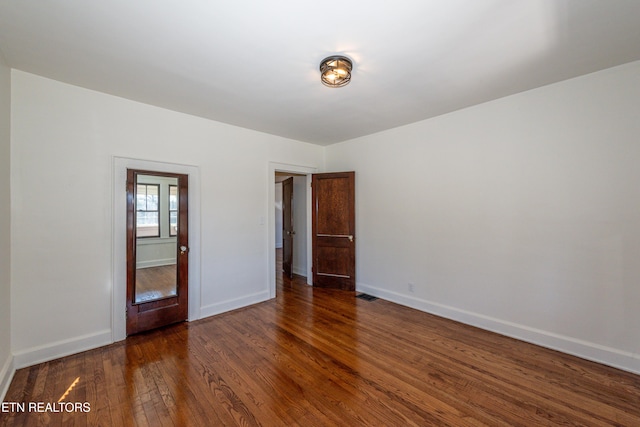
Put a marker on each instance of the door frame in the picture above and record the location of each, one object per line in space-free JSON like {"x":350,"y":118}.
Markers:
{"x":271,"y":215}
{"x":119,"y":237}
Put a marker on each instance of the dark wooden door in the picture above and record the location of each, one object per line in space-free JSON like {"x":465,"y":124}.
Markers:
{"x":333,"y":228}
{"x":287,"y":227}
{"x":158,"y":291}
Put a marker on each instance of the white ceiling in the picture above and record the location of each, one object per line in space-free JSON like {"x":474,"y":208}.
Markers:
{"x":255,"y":63}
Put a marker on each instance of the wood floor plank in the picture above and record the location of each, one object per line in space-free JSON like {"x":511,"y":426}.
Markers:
{"x":319,"y":357}
{"x":337,"y":365}
{"x":243,"y":370}
{"x":303,"y":382}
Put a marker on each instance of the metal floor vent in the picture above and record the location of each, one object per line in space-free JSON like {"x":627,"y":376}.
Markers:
{"x":366,"y":297}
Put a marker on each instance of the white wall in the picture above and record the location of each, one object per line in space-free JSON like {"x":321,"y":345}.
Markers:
{"x":6,"y":359}
{"x":64,"y":139}
{"x":521,"y":215}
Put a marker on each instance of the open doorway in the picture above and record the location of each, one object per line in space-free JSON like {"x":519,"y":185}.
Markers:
{"x":290,"y":224}
{"x":301,"y":247}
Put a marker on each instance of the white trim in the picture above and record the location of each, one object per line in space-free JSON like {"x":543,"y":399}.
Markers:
{"x":56,"y":350}
{"x":119,"y":237}
{"x":271,"y":226}
{"x":624,"y":360}
{"x":233,"y":304}
{"x":6,"y":376}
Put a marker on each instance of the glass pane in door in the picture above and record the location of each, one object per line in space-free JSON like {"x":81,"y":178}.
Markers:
{"x":156,"y":242}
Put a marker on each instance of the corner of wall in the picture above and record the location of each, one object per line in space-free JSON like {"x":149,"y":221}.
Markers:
{"x":323,"y":166}
{"x":6,"y":375}
{"x":7,"y":368}
{"x":56,"y":350}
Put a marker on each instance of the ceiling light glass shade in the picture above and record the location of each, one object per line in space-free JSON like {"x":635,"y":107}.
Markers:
{"x":335,"y":71}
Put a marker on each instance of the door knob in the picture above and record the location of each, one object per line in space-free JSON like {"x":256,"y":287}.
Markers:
{"x":183,"y":250}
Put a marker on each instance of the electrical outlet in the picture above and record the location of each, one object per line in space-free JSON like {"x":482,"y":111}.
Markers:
{"x":411,"y":288}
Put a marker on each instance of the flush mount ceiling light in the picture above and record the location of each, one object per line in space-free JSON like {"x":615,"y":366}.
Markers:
{"x":335,"y":71}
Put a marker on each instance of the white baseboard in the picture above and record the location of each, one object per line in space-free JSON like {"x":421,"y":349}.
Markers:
{"x":6,"y":375}
{"x":224,"y":306}
{"x":300,"y":271}
{"x":47,"y":352}
{"x":624,"y":360}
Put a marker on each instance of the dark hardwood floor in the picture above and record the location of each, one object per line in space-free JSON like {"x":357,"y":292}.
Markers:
{"x":318,"y":357}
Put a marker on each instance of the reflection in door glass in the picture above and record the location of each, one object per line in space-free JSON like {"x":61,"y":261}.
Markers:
{"x":147,"y":200}
{"x":156,"y":242}
{"x":173,"y":210}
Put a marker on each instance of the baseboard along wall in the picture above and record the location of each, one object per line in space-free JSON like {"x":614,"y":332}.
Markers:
{"x":586,"y":350}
